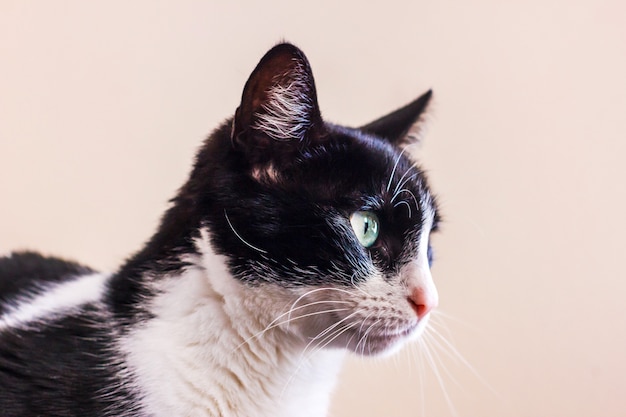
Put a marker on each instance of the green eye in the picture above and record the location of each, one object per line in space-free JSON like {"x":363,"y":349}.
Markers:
{"x":366,"y":227}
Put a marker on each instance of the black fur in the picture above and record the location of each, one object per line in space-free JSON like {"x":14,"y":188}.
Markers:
{"x":66,"y":368}
{"x":23,"y":272}
{"x":269,"y":205}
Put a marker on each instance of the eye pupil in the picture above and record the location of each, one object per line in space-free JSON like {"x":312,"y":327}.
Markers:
{"x":365,"y":225}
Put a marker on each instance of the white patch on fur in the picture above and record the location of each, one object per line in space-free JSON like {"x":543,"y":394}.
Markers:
{"x":287,"y":113}
{"x":206,"y":351}
{"x":55,"y":300}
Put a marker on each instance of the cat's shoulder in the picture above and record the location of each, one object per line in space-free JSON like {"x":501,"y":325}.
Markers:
{"x":25,"y":272}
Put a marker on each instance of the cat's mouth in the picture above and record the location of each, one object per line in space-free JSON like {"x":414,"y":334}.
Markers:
{"x":381,"y":341}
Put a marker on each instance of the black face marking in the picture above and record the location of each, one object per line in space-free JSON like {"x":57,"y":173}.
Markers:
{"x":295,"y":229}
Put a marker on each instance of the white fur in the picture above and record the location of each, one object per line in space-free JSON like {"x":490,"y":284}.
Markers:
{"x":199,"y":356}
{"x":55,"y":300}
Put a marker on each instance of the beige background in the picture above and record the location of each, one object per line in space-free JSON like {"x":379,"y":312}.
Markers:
{"x":103,"y":103}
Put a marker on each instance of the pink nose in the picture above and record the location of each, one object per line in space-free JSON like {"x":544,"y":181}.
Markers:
{"x":423,"y":301}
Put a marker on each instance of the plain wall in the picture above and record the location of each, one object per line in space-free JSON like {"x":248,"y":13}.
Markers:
{"x":103,"y":104}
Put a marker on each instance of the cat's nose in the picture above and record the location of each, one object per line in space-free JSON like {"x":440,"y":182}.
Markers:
{"x":422,"y":292}
{"x":423,"y":296}
{"x":423,"y":301}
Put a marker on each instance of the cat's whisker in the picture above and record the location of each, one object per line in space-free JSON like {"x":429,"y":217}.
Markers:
{"x":287,"y":321}
{"x":453,"y":353}
{"x":420,"y":372}
{"x":313,"y":291}
{"x":306,"y":355}
{"x":239,"y":236}
{"x":367,"y":332}
{"x":363,"y":339}
{"x":442,"y":316}
{"x":435,"y":346}
{"x":407,"y":205}
{"x":403,"y":181}
{"x":404,"y":190}
{"x":439,"y":318}
{"x":330,"y":328}
{"x":335,"y":332}
{"x":365,"y":321}
{"x":289,"y":313}
{"x":438,"y":376}
{"x":395,"y":166}
{"x":354,"y":284}
{"x":328,"y":339}
{"x":293,"y":308}
{"x":437,"y":322}
{"x":333,"y":335}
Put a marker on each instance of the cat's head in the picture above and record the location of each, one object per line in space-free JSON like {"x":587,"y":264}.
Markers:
{"x":337,"y":218}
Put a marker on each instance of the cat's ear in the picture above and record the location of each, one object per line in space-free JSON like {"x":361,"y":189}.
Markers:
{"x":403,"y":126}
{"x":278,"y":109}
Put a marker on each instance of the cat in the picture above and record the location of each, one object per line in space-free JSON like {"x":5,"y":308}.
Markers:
{"x":293,"y":242}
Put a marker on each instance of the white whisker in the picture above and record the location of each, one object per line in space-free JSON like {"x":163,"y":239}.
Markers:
{"x":393,"y":171}
{"x":363,"y":339}
{"x":440,"y":316}
{"x":404,"y":190}
{"x":420,"y":372}
{"x":364,"y":321}
{"x":331,"y":337}
{"x":407,"y":205}
{"x":451,"y":351}
{"x":433,"y":366}
{"x":434,"y":345}
{"x":326,"y":340}
{"x":274,"y":324}
{"x":402,"y":180}
{"x":306,"y":294}
{"x":359,"y":288}
{"x":239,"y":236}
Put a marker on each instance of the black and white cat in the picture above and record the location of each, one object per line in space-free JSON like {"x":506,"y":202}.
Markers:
{"x":293,"y":241}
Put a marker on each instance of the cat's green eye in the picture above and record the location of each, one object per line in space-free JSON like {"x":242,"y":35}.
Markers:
{"x":366,"y":227}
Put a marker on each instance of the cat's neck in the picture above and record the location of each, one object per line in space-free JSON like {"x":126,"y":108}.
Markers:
{"x":216,"y":348}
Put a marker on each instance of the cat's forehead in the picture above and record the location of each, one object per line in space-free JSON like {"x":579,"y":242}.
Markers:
{"x":364,"y":171}
{"x":386,"y":167}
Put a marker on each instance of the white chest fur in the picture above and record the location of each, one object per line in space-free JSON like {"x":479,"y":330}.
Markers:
{"x":200,"y":355}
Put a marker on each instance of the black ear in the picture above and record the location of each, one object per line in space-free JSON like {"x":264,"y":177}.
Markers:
{"x":278,"y":110}
{"x":402,"y":126}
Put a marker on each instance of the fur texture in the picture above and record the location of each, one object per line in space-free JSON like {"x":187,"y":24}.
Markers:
{"x":255,"y":285}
